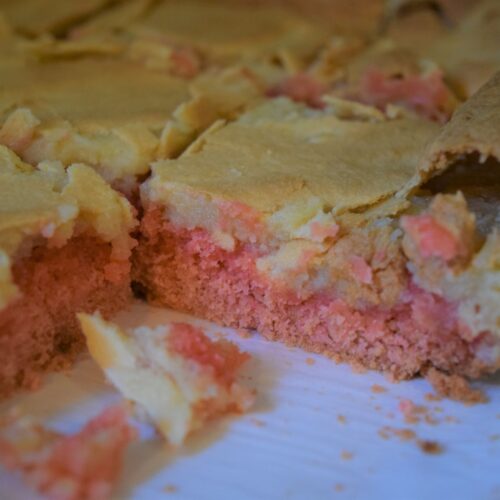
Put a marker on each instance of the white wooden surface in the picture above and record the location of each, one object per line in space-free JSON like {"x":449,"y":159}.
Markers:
{"x":293,"y":445}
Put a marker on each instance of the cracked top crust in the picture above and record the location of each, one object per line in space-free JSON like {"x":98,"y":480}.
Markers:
{"x":32,"y":17}
{"x":219,"y":32}
{"x":282,"y":152}
{"x":105,"y":112}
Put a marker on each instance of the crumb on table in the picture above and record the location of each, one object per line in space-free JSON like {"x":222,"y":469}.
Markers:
{"x":430,"y":447}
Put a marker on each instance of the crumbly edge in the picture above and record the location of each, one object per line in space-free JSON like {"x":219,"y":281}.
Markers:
{"x":164,"y":286}
{"x":39,"y":330}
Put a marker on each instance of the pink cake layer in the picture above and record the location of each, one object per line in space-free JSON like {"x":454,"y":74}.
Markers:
{"x":185,"y":270}
{"x":39,"y":331}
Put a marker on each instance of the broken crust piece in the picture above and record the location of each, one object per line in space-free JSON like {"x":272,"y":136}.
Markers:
{"x":386,"y":74}
{"x":174,"y":373}
{"x":474,"y":129}
{"x":64,"y":247}
{"x":285,"y":221}
{"x":83,"y":466}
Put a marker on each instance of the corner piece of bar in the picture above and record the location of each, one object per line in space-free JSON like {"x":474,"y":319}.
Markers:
{"x":65,"y":246}
{"x":287,"y":221}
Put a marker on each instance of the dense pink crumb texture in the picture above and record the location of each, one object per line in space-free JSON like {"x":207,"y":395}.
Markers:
{"x":39,"y":331}
{"x":83,"y":466}
{"x":221,"y":359}
{"x":183,"y":269}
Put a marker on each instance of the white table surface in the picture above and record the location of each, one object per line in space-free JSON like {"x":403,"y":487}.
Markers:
{"x":295,"y":444}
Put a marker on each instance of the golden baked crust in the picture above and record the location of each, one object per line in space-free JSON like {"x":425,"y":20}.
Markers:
{"x":474,"y":128}
{"x":220,"y":32}
{"x":110,"y":113}
{"x":282,"y":152}
{"x":93,"y":93}
{"x":223,"y":32}
{"x":32,"y":17}
{"x":105,"y":112}
{"x":344,"y":17}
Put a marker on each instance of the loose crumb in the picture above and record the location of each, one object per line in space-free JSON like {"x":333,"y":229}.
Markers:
{"x":430,"y":447}
{"x":450,"y":419}
{"x":383,"y":433}
{"x":346,"y":455}
{"x":244,"y":334}
{"x":455,"y":387}
{"x":412,"y":413}
{"x":170,"y":488}
{"x":310,"y":361}
{"x":378,"y":389}
{"x":405,"y":434}
{"x":495,"y":437}
{"x":432,"y":397}
{"x":257,"y":422}
{"x":339,"y":487}
{"x":341,"y":419}
{"x":358,"y":368}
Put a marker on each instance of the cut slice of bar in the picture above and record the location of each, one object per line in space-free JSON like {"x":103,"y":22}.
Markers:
{"x":173,"y":372}
{"x":286,"y":221}
{"x":64,"y":247}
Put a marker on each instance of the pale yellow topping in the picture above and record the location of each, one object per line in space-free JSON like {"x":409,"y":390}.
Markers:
{"x":28,"y":202}
{"x":106,"y":342}
{"x":47,"y":202}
